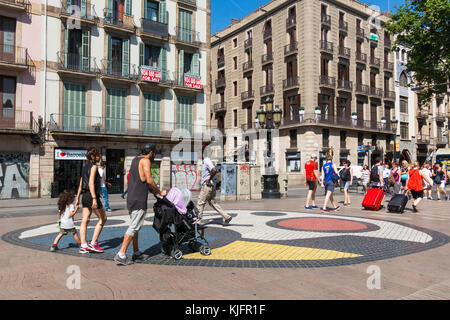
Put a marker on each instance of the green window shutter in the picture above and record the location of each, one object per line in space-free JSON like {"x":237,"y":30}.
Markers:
{"x":145,"y":10}
{"x":126,"y":58}
{"x":195,"y":69}
{"x":180,"y":67}
{"x":115,"y":110}
{"x":185,"y":113}
{"x":109,"y":55}
{"x":162,"y":12}
{"x":85,"y":49}
{"x":141,"y":53}
{"x":83,"y":8}
{"x":152,"y":114}
{"x":109,"y":10}
{"x":163,"y":63}
{"x":74,"y":107}
{"x":128,"y":7}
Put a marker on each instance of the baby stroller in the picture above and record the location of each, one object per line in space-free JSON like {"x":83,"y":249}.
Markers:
{"x":176,"y":228}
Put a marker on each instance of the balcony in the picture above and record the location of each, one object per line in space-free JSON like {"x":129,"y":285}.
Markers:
{"x":192,"y":3}
{"x":423,"y":139}
{"x":344,"y":85}
{"x":220,"y":62}
{"x":327,"y":82}
{"x":326,"y":46}
{"x":267,"y":33}
{"x":248,"y":95}
{"x":387,"y":43}
{"x":291,"y":22}
{"x":188,"y":81}
{"x":120,"y":24}
{"x":325,"y":121}
{"x":267,"y":90}
{"x":441,"y":140}
{"x":86,"y":12}
{"x":291,"y":48}
{"x":389,"y":95}
{"x":360,"y":33}
{"x":247,"y":66}
{"x":17,"y":121}
{"x":388,"y":66}
{"x":326,"y":20}
{"x":220,"y":83}
{"x":441,"y":117}
{"x":153,"y":76}
{"x":422,"y":115}
{"x":74,"y":64}
{"x":376,"y":93}
{"x":15,"y":5}
{"x":187,"y":36}
{"x":291,"y":83}
{"x":220,"y":107}
{"x":361,"y":57}
{"x":154,"y":29}
{"x":375,"y":62}
{"x":343,"y":26}
{"x":114,"y":70}
{"x":14,"y":58}
{"x":140,"y":129}
{"x":267,"y":58}
{"x":362,"y":89}
{"x":344,"y":52}
{"x":248,"y":43}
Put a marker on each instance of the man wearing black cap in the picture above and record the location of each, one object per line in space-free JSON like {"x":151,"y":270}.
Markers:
{"x":139,"y":185}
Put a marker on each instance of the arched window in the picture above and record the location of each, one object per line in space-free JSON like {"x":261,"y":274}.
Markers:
{"x":403,"y":80}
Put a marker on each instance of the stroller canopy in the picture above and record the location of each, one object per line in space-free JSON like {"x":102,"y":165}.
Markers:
{"x":179,"y":199}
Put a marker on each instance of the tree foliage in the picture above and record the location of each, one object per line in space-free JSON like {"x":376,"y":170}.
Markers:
{"x":423,"y":27}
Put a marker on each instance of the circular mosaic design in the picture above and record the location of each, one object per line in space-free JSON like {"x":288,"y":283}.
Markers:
{"x":254,"y":239}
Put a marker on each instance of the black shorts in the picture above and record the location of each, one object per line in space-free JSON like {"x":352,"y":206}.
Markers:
{"x":86,"y":200}
{"x":312,"y":185}
{"x":417,"y":194}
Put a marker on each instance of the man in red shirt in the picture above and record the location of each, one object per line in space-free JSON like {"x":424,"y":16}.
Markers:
{"x":312,"y":175}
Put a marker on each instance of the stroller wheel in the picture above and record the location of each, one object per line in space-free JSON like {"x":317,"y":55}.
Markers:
{"x":165,"y":249}
{"x":205,"y":250}
{"x":176,"y":254}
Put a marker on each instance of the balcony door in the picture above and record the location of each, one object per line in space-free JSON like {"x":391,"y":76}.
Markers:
{"x":116,"y":110}
{"x":185,"y":114}
{"x":7,"y":39}
{"x":185,"y":25}
{"x":360,"y":113}
{"x":8,"y":102}
{"x":151,"y":125}
{"x":118,"y":57}
{"x":373,"y":116}
{"x":74,"y":107}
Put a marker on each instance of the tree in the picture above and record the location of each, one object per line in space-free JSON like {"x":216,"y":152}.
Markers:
{"x":423,"y":26}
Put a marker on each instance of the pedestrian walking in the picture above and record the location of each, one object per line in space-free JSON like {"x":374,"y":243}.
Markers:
{"x":140,"y":183}
{"x":386,"y":175}
{"x":208,"y":189}
{"x":104,"y":185}
{"x":365,"y":178}
{"x":89,"y":190}
{"x":311,"y":177}
{"x":346,"y":176}
{"x":126,"y":191}
{"x":415,"y":184}
{"x":376,"y":174}
{"x":440,"y":180}
{"x":396,"y":174}
{"x":66,"y":211}
{"x":427,"y":187}
{"x":327,"y":180}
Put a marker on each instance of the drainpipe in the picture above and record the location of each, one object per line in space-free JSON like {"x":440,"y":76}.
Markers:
{"x":45,"y":65}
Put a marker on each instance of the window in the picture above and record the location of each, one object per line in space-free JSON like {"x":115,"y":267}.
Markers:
{"x":235,"y":88}
{"x":293,"y":162}
{"x":235,"y":118}
{"x":7,"y":95}
{"x":151,"y":57}
{"x":293,"y":138}
{"x":326,"y":138}
{"x":403,"y":80}
{"x":235,"y":43}
{"x":185,"y":113}
{"x":343,"y":140}
{"x":403,"y":105}
{"x":404,"y":131}
{"x":151,"y":114}
{"x":152,"y":12}
{"x":116,"y":110}
{"x":235,"y":62}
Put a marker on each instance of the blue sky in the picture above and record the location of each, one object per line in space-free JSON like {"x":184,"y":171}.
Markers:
{"x":222,"y":11}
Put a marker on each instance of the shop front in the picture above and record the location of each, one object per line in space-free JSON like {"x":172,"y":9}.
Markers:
{"x":67,"y":170}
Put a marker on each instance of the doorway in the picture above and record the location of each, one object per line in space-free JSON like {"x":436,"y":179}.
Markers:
{"x":115,"y":166}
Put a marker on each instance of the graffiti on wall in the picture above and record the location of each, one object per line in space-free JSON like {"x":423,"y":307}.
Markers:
{"x":156,"y":175}
{"x":14,"y":175}
{"x":184,"y":176}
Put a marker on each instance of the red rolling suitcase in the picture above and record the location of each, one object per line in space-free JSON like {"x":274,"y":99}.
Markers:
{"x":373,"y":199}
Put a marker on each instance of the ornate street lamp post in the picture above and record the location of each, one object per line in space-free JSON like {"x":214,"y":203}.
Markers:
{"x":269,"y":119}
{"x":394,"y":123}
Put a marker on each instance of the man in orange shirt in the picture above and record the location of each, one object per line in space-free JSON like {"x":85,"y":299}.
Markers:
{"x":311,"y":181}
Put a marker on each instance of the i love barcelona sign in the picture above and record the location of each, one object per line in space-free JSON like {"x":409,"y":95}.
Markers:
{"x":70,"y":154}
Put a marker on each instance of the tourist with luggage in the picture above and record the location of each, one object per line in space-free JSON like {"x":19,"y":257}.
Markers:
{"x":440,"y":180}
{"x":415,"y":184}
{"x":427,"y":188}
{"x":328,"y":179}
{"x":90,"y":189}
{"x":346,"y":176}
{"x":376,"y":174}
{"x":365,"y":178}
{"x":311,"y":177}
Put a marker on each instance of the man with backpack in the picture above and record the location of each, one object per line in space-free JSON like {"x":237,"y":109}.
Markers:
{"x":376,"y":174}
{"x":346,"y":176}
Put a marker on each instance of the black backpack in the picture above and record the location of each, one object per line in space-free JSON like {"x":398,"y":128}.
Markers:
{"x":345,"y":174}
{"x":374,"y":175}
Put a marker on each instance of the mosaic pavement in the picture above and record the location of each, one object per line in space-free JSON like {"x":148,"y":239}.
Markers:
{"x":260,"y":239}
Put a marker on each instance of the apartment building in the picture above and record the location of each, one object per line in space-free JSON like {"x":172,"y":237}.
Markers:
{"x":120,"y":74}
{"x":20,"y":50}
{"x":406,"y":103}
{"x":327,"y":67}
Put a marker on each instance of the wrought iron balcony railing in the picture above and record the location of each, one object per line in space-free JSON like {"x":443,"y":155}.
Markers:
{"x":327,"y":81}
{"x":267,"y":58}
{"x":345,"y":85}
{"x":248,"y":43}
{"x":375,"y":62}
{"x":361,"y":57}
{"x":16,"y":4}
{"x":291,"y":83}
{"x":343,"y":25}
{"x":220,"y":82}
{"x":248,"y":95}
{"x":267,"y":89}
{"x":389,"y":95}
{"x":73,"y":8}
{"x":326,"y":19}
{"x":246,"y":66}
{"x":220,"y":107}
{"x":362,"y":89}
{"x":360,"y":32}
{"x":344,"y":52}
{"x":376,"y":92}
{"x":119,"y":69}
{"x":291,"y":21}
{"x":291,"y":48}
{"x":14,"y":55}
{"x":326,"y":46}
{"x":389,"y":66}
{"x":76,"y":63}
{"x":18,"y":120}
{"x":157,"y":28}
{"x":117,"y":19}
{"x":220,"y":62}
{"x":187,"y":36}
